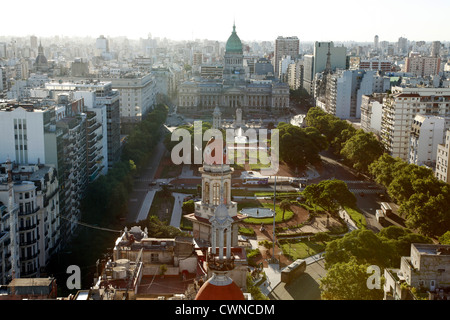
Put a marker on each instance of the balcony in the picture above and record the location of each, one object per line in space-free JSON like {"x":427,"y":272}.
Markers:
{"x":30,"y":227}
{"x":27,"y":212}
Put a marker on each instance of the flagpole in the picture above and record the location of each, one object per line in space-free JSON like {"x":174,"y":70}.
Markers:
{"x":274,"y":214}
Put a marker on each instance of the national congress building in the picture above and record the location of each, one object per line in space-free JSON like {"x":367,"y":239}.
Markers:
{"x":233,"y":90}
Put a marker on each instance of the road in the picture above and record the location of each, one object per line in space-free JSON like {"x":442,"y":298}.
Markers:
{"x":141,"y":185}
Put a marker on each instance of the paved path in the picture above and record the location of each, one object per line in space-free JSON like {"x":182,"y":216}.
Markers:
{"x":350,"y":223}
{"x":146,"y":204}
{"x":176,"y":211}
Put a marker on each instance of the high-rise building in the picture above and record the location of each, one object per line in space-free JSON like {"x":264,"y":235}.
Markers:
{"x":442,"y":171}
{"x":371,"y":108}
{"x":422,"y":66}
{"x":317,"y":62}
{"x":340,"y":93}
{"x":402,"y":45}
{"x":295,"y":74}
{"x":9,"y":227}
{"x":285,"y":46}
{"x":435,"y":49}
{"x":400,"y":109}
{"x":103,"y":95}
{"x":101,"y":45}
{"x":33,"y":42}
{"x":36,"y":194}
{"x":426,"y":133}
{"x":375,"y":42}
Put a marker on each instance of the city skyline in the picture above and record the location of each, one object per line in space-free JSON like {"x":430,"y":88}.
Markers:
{"x":255,"y":21}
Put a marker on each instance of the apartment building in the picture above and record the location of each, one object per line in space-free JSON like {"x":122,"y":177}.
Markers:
{"x":9,"y":228}
{"x":422,"y":66}
{"x":37,"y":229}
{"x":442,"y":171}
{"x":375,"y":64}
{"x":426,"y":133}
{"x":400,"y":109}
{"x":137,"y":95}
{"x":426,"y":269}
{"x":295,"y":75}
{"x":340,"y":93}
{"x":317,"y":62}
{"x":98,"y":95}
{"x":285,"y":46}
{"x":371,"y":112}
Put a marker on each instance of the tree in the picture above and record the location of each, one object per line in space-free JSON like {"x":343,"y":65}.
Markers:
{"x":188,"y":206}
{"x":162,"y":269}
{"x":445,"y":238}
{"x":334,"y":194}
{"x":348,"y":281}
{"x":362,"y":149}
{"x":300,"y":147}
{"x":362,"y":245}
{"x":384,"y":249}
{"x":311,"y":194}
{"x":385,"y":168}
{"x":285,"y":205}
{"x":430,"y":215}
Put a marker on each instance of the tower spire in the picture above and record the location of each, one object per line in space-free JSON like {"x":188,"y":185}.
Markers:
{"x":328,"y":65}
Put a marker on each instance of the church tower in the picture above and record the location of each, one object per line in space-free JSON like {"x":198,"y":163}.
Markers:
{"x":216,"y":191}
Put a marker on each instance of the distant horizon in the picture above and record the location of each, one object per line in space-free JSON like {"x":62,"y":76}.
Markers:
{"x":177,"y":20}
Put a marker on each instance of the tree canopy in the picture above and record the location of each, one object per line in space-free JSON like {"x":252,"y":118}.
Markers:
{"x":329,"y":194}
{"x":361,"y":149}
{"x":300,"y":147}
{"x":348,"y":281}
{"x":423,"y":199}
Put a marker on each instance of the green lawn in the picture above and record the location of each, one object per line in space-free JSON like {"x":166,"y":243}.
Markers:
{"x":357,"y":217}
{"x":302,"y":249}
{"x":162,"y":206}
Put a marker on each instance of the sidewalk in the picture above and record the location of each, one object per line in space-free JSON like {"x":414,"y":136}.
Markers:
{"x":350,"y":223}
{"x":177,"y":209}
{"x":146,"y":204}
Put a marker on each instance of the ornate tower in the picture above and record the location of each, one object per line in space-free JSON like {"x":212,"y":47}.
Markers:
{"x":216,"y":191}
{"x":220,"y":261}
{"x":217,"y":124}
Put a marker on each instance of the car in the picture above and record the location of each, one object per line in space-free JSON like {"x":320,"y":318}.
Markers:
{"x":153,"y":183}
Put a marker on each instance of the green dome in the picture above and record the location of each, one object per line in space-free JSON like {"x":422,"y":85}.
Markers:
{"x":234,"y":44}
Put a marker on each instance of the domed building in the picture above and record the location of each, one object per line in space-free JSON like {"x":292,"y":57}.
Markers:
{"x":235,"y":90}
{"x":220,"y":287}
{"x":41,"y":63}
{"x":233,"y":70}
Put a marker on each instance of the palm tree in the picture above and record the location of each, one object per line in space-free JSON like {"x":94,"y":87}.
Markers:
{"x":285,"y":205}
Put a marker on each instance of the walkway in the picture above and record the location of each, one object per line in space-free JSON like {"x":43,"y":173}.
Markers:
{"x":177,"y":209}
{"x":146,"y":204}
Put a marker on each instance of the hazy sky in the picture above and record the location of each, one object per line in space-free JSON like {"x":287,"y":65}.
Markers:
{"x":336,"y":20}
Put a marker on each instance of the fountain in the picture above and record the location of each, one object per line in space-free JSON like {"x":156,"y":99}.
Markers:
{"x":258,"y":212}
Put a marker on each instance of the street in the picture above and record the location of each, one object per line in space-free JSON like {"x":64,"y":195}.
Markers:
{"x":141,"y":184}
